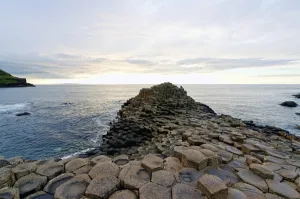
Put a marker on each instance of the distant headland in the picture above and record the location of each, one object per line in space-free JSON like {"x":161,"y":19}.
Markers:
{"x":7,"y":81}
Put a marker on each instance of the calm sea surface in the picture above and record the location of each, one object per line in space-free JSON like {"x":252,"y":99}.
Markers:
{"x":56,"y":129}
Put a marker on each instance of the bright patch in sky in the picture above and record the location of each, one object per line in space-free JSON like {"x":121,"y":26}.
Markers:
{"x":151,"y":41}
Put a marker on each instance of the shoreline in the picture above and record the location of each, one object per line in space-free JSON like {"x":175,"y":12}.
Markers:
{"x":163,"y":144}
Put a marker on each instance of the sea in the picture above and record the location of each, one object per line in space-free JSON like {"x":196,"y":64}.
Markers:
{"x":66,"y":120}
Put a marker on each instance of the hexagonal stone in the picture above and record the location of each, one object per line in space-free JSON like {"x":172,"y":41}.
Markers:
{"x":189,"y":176}
{"x":152,"y":162}
{"x":274,"y":160}
{"x":51,"y":169}
{"x":9,"y":193}
{"x":163,"y":178}
{"x":273,"y":196}
{"x":102,"y":187}
{"x":72,"y":189}
{"x":40,"y":195}
{"x":107,"y":168}
{"x":7,"y":178}
{"x":100,"y":159}
{"x":293,"y":162}
{"x":194,"y":159}
{"x":24,"y":169}
{"x":248,"y":148}
{"x":288,"y":174}
{"x":282,"y":189}
{"x":225,"y":156}
{"x":123,"y":194}
{"x":83,"y":170}
{"x":236,"y":194}
{"x":272,"y":166}
{"x":253,"y":179}
{"x":252,"y":160}
{"x":233,"y":150}
{"x":178,"y":151}
{"x":184,"y":191}
{"x":121,"y":160}
{"x":210,"y":147}
{"x":212,"y":187}
{"x":237,"y":164}
{"x":172,"y":164}
{"x":262,"y":171}
{"x":250,"y":191}
{"x":75,"y":164}
{"x":277,"y":154}
{"x":227,"y":177}
{"x":56,"y":182}
{"x":136,"y":176}
{"x":152,"y":190}
{"x":30,"y":184}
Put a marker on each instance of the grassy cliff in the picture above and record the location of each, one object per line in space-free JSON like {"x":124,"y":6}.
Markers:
{"x":7,"y":80}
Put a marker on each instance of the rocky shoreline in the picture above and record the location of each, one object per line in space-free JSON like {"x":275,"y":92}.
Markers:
{"x":163,"y":144}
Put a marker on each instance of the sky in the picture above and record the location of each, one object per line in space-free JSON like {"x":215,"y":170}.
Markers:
{"x":149,"y":41}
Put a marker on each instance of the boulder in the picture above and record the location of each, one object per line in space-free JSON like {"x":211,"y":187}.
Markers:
{"x":83,"y":170}
{"x":7,"y":178}
{"x":53,"y":184}
{"x":22,"y":114}
{"x":289,"y":104}
{"x":24,"y":169}
{"x":288,"y":174}
{"x":262,"y":171}
{"x":152,"y":162}
{"x":9,"y":193}
{"x":72,"y":189}
{"x":229,"y":178}
{"x":135,"y":177}
{"x":297,"y":95}
{"x":212,"y":187}
{"x":30,"y":184}
{"x":152,"y":190}
{"x":100,"y":159}
{"x":107,"y":168}
{"x":16,"y":160}
{"x":123,"y":194}
{"x":194,"y":159}
{"x":75,"y":164}
{"x":51,"y":169}
{"x":102,"y":186}
{"x":172,"y":164}
{"x":163,"y":178}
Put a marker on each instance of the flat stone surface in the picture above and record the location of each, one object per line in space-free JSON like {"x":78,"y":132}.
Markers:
{"x":83,"y":170}
{"x":225,"y":156}
{"x":102,"y":187}
{"x":272,"y":166}
{"x":16,"y":160}
{"x":194,"y":159}
{"x":253,"y":179}
{"x":76,"y":163}
{"x":236,"y":194}
{"x":274,"y":160}
{"x":250,"y":191}
{"x":248,"y":148}
{"x":24,"y":169}
{"x":210,"y":147}
{"x":234,"y":150}
{"x":56,"y":182}
{"x":9,"y":193}
{"x":72,"y":189}
{"x":136,"y":176}
{"x":189,"y":176}
{"x":163,"y":178}
{"x":40,"y":195}
{"x":184,"y":191}
{"x":212,"y":187}
{"x":227,"y":177}
{"x":100,"y":159}
{"x":277,"y":154}
{"x":123,"y":194}
{"x":172,"y":164}
{"x":282,"y":189}
{"x":7,"y":178}
{"x":121,"y":160}
{"x":262,"y":171}
{"x":295,"y":163}
{"x":30,"y":184}
{"x":273,"y":196}
{"x":107,"y":168}
{"x":50,"y":170}
{"x":288,"y":174}
{"x":152,"y":190}
{"x":152,"y":162}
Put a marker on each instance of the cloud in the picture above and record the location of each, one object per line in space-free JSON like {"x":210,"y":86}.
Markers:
{"x":140,"y":62}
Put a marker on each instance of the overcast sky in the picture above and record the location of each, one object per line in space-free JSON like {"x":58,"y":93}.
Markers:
{"x":148,"y":41}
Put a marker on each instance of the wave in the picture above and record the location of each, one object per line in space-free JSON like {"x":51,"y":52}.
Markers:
{"x":5,"y":108}
{"x":77,"y":153}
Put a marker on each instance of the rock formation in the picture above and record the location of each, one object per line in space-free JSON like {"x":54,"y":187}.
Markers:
{"x":289,"y":104}
{"x":7,"y":80}
{"x":163,"y":145}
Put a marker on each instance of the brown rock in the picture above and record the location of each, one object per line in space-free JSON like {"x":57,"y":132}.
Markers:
{"x":123,"y":194}
{"x":212,"y":187}
{"x":184,"y":191}
{"x":194,"y":159}
{"x":252,"y":179}
{"x":152,"y":162}
{"x":163,"y":178}
{"x":152,"y":190}
{"x":75,"y":164}
{"x":282,"y":189}
{"x":107,"y":168}
{"x":72,"y":189}
{"x":262,"y":171}
{"x":50,"y":170}
{"x":24,"y":169}
{"x":136,"y":176}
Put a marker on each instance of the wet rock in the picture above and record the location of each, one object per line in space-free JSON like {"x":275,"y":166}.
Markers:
{"x":107,"y":168}
{"x":23,"y":114}
{"x":53,"y":184}
{"x":123,"y":194}
{"x":121,"y":160}
{"x":75,"y":164}
{"x":227,"y":177}
{"x":252,"y":179}
{"x":184,"y":191}
{"x":194,"y":159}
{"x":72,"y":189}
{"x":100,"y":159}
{"x":24,"y":169}
{"x":289,"y":104}
{"x":50,"y":170}
{"x":7,"y":178}
{"x":163,"y":178}
{"x":250,"y":191}
{"x":9,"y":193}
{"x":262,"y":171}
{"x":152,"y":162}
{"x":189,"y":176}
{"x":212,"y":187}
{"x":102,"y":187}
{"x":40,"y":195}
{"x":136,"y":176}
{"x":282,"y":189}
{"x":152,"y":190}
{"x":30,"y":184}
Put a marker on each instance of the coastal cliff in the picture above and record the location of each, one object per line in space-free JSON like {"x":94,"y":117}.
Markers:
{"x":163,"y":144}
{"x":7,"y":80}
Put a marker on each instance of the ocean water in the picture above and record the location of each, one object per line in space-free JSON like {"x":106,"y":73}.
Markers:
{"x":56,"y":129}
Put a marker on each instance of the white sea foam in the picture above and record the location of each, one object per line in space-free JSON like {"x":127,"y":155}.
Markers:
{"x":77,"y":153}
{"x":6,"y":108}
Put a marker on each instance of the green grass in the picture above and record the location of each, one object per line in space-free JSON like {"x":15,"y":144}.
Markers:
{"x":8,"y":79}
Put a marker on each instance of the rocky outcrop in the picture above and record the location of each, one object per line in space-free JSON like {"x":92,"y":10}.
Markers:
{"x":297,"y":95}
{"x":170,"y":147}
{"x":289,"y":104}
